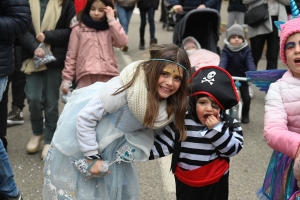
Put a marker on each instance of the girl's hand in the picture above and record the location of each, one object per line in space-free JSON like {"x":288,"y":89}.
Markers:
{"x":40,"y":37}
{"x":39,"y":52}
{"x":110,"y":13}
{"x":211,"y":121}
{"x":95,"y":168}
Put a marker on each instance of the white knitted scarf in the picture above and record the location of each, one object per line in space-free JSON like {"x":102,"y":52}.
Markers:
{"x":137,"y":96}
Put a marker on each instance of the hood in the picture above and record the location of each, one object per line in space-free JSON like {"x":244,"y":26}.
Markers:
{"x":192,"y":38}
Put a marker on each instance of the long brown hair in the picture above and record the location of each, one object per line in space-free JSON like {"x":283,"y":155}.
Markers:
{"x":88,"y":5}
{"x":176,"y":103}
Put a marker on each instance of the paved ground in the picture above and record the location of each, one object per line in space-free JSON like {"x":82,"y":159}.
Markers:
{"x":156,"y":182}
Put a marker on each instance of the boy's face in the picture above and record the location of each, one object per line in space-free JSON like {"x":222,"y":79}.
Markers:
{"x":206,"y":107}
{"x":292,"y":53}
{"x":236,"y":40}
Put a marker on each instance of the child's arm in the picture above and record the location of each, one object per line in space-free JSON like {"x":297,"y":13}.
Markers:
{"x":224,"y":58}
{"x":163,"y":143}
{"x":69,"y":70}
{"x":250,"y":61}
{"x":276,"y":131}
{"x":229,"y":141}
{"x":119,"y":37}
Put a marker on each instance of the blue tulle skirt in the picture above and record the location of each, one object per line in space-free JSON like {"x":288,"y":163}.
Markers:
{"x":279,"y":183}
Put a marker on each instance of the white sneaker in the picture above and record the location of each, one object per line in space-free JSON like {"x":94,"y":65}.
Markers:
{"x":251,"y":91}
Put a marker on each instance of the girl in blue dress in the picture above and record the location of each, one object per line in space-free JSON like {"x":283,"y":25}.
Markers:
{"x":102,"y":120}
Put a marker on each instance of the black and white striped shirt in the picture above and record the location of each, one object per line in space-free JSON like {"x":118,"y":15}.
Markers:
{"x":202,"y":145}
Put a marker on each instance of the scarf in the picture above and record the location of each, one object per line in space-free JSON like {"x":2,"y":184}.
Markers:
{"x":98,"y":25}
{"x":137,"y":96}
{"x":235,"y":48}
{"x":52,"y":14}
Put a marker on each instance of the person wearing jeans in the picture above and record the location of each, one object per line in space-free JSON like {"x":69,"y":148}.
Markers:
{"x":146,"y":6}
{"x":124,"y":12}
{"x":15,"y":20}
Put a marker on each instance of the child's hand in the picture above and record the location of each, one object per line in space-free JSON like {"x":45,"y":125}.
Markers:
{"x":211,"y":121}
{"x":95,"y":168}
{"x":110,"y":13}
{"x":65,"y":86}
{"x":39,"y":52}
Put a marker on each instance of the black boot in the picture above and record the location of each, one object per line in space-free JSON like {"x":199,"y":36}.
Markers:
{"x":245,"y":119}
{"x":4,"y":141}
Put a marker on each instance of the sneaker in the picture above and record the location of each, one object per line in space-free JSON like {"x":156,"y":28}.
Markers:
{"x":124,"y":49}
{"x":142,"y":46}
{"x":245,"y":120}
{"x":18,"y":197}
{"x":153,"y":41}
{"x":15,"y":116}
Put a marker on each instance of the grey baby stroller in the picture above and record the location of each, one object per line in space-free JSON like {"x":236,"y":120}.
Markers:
{"x":202,"y":24}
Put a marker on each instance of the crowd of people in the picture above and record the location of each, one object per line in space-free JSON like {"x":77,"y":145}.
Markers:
{"x":143,"y":113}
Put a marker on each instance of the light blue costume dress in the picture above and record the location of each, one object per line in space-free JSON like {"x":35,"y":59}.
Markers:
{"x":63,"y":181}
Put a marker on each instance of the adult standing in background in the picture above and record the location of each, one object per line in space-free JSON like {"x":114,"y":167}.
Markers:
{"x":267,"y":31}
{"x":50,"y":25}
{"x":124,"y":12}
{"x":236,"y":12}
{"x":147,"y":6}
{"x":15,"y":20}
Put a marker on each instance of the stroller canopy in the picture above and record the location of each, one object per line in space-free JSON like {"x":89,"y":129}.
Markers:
{"x":202,"y":24}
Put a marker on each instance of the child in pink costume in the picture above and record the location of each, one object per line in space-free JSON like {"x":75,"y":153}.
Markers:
{"x":90,"y":53}
{"x":281,"y":121}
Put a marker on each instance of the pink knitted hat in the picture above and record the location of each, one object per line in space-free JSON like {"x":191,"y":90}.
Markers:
{"x":288,"y":29}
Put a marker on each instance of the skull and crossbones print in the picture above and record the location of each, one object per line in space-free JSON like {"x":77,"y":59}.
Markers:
{"x":209,"y":78}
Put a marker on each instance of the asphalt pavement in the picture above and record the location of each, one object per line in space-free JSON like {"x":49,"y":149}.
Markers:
{"x":247,"y":169}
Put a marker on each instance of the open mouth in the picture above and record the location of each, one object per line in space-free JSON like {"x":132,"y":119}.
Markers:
{"x":297,"y":60}
{"x":206,"y":116}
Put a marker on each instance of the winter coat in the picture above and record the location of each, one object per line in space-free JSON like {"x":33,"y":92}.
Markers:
{"x":91,"y":51}
{"x":57,"y":38}
{"x":237,"y":63}
{"x":196,"y":3}
{"x":266,"y":27}
{"x":15,"y":20}
{"x":126,"y":3}
{"x":236,"y":5}
{"x":145,"y":4}
{"x":282,"y":115}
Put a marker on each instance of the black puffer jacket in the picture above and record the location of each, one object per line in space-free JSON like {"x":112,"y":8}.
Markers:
{"x":15,"y":20}
{"x":57,"y":38}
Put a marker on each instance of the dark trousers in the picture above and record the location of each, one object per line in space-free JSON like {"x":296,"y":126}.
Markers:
{"x":216,"y":191}
{"x":244,"y":90}
{"x":143,"y":13}
{"x":258,"y":43}
{"x":18,"y":81}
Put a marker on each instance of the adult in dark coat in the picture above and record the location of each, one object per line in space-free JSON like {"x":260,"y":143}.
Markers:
{"x":43,"y":82}
{"x":147,"y":6}
{"x":15,"y":20}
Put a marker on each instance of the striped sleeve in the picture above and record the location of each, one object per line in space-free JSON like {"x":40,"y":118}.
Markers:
{"x":163,"y":143}
{"x":229,"y":141}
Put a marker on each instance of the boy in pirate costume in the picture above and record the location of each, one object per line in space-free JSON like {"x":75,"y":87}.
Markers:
{"x":200,"y":162}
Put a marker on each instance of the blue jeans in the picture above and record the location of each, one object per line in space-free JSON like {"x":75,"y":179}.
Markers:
{"x":143,"y":12}
{"x":3,"y":82}
{"x":124,"y":16}
{"x":7,"y":183}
